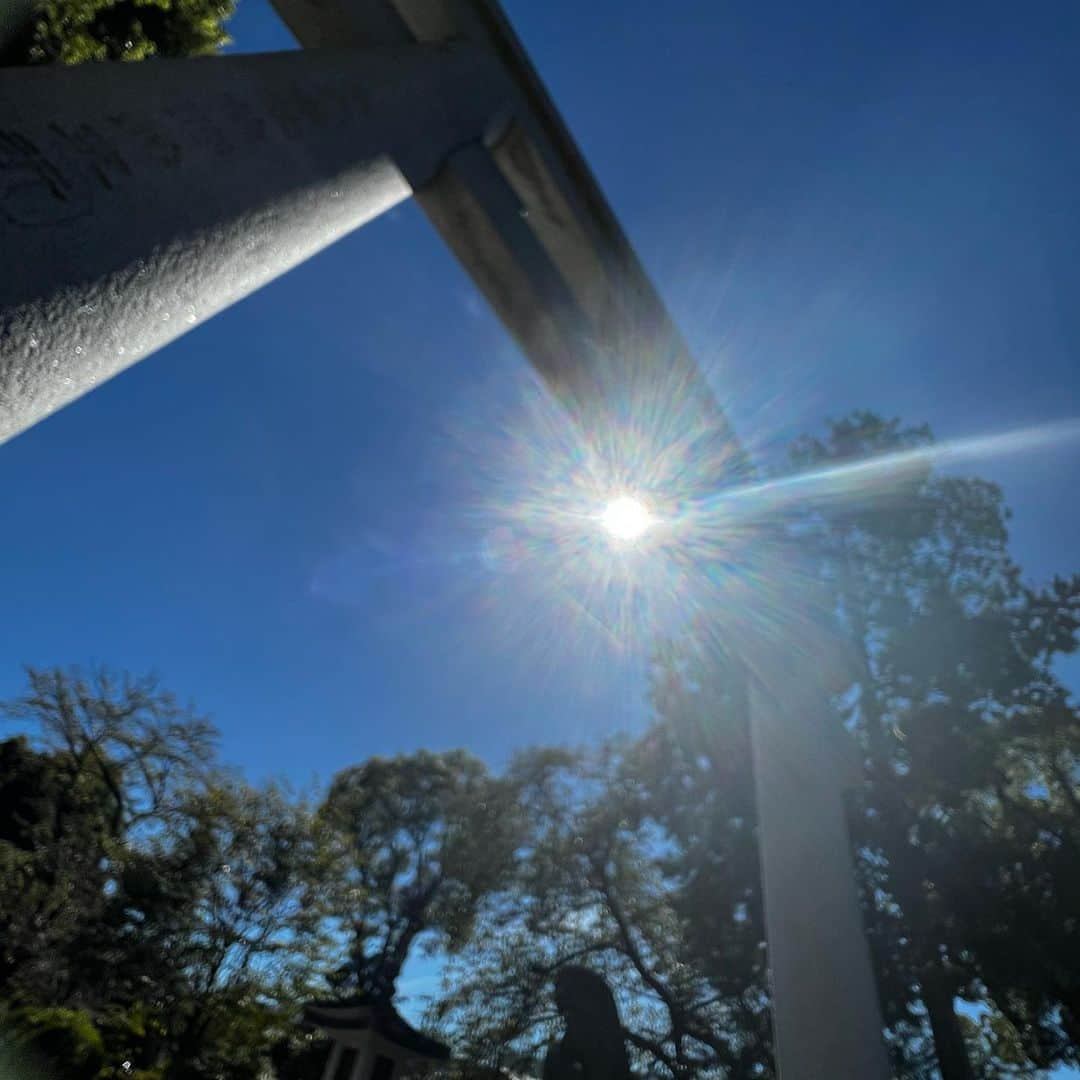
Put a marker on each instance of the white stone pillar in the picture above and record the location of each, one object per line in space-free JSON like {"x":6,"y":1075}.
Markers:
{"x":826,"y":1017}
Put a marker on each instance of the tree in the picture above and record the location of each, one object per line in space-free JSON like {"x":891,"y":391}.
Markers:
{"x":47,"y":1037}
{"x":642,"y":856}
{"x":151,"y":895}
{"x":134,"y":739}
{"x":54,"y":836}
{"x":77,"y":31}
{"x":607,"y":882}
{"x":966,"y":823}
{"x":414,"y":843}
{"x":114,"y":759}
{"x":695,"y":775}
{"x":210,"y":929}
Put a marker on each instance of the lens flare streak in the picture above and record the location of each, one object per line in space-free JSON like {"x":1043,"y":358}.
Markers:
{"x":878,"y":475}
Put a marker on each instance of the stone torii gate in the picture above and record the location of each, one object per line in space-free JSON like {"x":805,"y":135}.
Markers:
{"x":137,"y":200}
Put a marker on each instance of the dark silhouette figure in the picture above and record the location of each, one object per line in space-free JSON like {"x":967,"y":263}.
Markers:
{"x":593,"y":1046}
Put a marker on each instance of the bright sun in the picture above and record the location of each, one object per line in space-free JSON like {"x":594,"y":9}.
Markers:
{"x":626,"y":518}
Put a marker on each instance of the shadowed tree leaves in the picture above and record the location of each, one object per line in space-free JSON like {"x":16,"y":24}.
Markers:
{"x":602,"y":883}
{"x":965,"y":824}
{"x":127,"y":735}
{"x":77,"y":31}
{"x":642,"y":855}
{"x":146,"y":889}
{"x":54,"y":838}
{"x":414,"y":844}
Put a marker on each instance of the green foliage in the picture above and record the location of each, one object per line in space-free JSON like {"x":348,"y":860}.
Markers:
{"x":148,"y":893}
{"x":609,"y":877}
{"x":412,"y":845}
{"x":54,"y":843}
{"x":77,"y":31}
{"x":137,"y":741}
{"x":966,"y":823}
{"x":60,"y":1043}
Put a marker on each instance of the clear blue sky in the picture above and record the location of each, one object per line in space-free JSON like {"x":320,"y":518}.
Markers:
{"x":849,"y":205}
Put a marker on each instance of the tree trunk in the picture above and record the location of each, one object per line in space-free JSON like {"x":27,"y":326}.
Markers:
{"x":949,"y":1045}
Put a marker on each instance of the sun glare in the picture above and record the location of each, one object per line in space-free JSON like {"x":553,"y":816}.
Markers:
{"x":626,"y":518}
